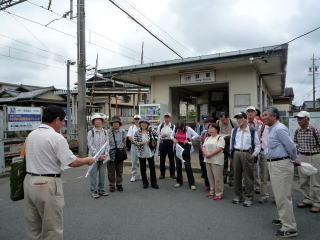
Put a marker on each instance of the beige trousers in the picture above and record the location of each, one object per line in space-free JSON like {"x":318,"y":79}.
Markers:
{"x":43,"y":204}
{"x":243,"y":165}
{"x":281,"y":177}
{"x":310,"y":185}
{"x":215,"y":177}
{"x":263,"y":175}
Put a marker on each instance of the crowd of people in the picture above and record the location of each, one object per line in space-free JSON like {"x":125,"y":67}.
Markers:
{"x":244,"y":152}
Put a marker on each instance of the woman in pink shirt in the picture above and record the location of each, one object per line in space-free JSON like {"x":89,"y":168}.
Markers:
{"x":183,"y":136}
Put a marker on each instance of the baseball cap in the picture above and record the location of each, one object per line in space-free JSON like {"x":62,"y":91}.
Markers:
{"x":303,"y":114}
{"x":241,"y":115}
{"x":137,"y":117}
{"x":251,"y":108}
{"x":167,"y":114}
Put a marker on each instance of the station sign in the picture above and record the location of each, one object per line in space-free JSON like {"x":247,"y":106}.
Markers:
{"x":198,"y":77}
{"x":23,"y":118}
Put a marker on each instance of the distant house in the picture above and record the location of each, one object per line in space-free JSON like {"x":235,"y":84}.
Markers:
{"x":284,"y":103}
{"x":115,"y":97}
{"x":308,"y":105}
{"x":27,"y":95}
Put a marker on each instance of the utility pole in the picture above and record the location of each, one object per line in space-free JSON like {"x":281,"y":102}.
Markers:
{"x":142,"y":53}
{"x":82,"y":113}
{"x":314,"y":69}
{"x":71,"y":9}
{"x":68,"y":99}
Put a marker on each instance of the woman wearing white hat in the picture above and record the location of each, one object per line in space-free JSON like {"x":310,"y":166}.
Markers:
{"x":145,"y":140}
{"x":96,"y":137}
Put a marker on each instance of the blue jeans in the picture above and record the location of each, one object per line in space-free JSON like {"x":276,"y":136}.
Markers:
{"x":134,"y":160}
{"x":98,"y":169}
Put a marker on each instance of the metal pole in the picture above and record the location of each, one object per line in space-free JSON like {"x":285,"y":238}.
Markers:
{"x":71,"y":9}
{"x":68,"y":101}
{"x":2,"y":160}
{"x":82,"y":119}
{"x":313,"y":80}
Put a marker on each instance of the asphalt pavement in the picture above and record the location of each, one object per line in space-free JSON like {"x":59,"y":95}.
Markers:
{"x":164,"y":214}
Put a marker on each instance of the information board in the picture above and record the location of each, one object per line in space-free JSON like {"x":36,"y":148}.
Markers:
{"x":23,"y":118}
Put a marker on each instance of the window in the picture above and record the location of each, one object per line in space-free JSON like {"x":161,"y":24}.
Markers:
{"x":197,"y":76}
{"x":207,"y":75}
{"x":242,"y":100}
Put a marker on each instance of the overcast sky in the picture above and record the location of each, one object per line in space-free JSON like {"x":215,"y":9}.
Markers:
{"x":191,"y":27}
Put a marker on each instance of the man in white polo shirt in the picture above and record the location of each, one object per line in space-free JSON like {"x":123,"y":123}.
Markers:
{"x":47,"y":153}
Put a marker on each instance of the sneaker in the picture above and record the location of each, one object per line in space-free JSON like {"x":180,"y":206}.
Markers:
{"x":177,"y":185}
{"x":162,"y":177}
{"x":120,"y":188}
{"x":257,"y":191}
{"x":193,"y":187}
{"x":263,"y":199}
{"x":217,"y":197}
{"x":145,"y":185}
{"x":173,"y":177}
{"x":247,"y":203}
{"x":236,"y":200}
{"x":155,"y":186}
{"x":95,"y":195}
{"x":209,"y":195}
{"x":276,"y":222}
{"x":286,"y":234}
{"x":206,"y":188}
{"x":103,"y":193}
{"x":112,"y":189}
{"x":133,"y":179}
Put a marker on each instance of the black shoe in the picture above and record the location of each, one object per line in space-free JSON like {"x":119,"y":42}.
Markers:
{"x":173,"y":177}
{"x":120,"y":188}
{"x":276,"y":222}
{"x":257,"y":191}
{"x":112,"y":189}
{"x":145,"y":185}
{"x":162,"y":177}
{"x":156,"y":186}
{"x":286,"y":234}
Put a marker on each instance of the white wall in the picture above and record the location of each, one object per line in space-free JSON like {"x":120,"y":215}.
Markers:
{"x":242,"y":80}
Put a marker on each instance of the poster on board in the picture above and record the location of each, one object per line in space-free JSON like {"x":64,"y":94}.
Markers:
{"x":23,"y":118}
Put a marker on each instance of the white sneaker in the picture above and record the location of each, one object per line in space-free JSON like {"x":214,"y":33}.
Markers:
{"x":133,"y":179}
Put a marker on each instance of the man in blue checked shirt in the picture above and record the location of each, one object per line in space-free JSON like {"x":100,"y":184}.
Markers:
{"x":281,"y":156}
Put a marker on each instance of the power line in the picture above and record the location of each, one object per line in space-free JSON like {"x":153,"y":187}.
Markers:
{"x":70,"y":35}
{"x":90,"y":30}
{"x":155,"y":24}
{"x":30,"y":61}
{"x":29,"y":31}
{"x":152,"y":34}
{"x":30,"y":45}
{"x":300,"y":36}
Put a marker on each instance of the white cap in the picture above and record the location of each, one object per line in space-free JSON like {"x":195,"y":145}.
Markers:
{"x":167,"y":114}
{"x":137,"y":116}
{"x":303,"y":114}
{"x":251,"y":108}
{"x":98,"y":115}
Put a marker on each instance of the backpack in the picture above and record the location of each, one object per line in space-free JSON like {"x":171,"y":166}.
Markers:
{"x":162,"y":125}
{"x":313,"y":133}
{"x":233,"y":139}
{"x":92,"y":132}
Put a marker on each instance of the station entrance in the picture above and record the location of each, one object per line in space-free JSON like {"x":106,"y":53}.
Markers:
{"x":189,"y":102}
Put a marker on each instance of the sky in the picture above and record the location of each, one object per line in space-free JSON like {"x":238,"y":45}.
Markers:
{"x":33,"y":54}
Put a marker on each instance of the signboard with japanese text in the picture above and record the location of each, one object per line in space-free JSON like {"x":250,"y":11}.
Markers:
{"x":23,"y":118}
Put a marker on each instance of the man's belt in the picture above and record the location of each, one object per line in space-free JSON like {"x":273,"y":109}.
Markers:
{"x":277,"y":159}
{"x":44,"y":175}
{"x":308,"y":153}
{"x":238,"y":150}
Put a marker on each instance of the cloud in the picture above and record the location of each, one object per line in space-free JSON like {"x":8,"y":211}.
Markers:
{"x":195,"y":28}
